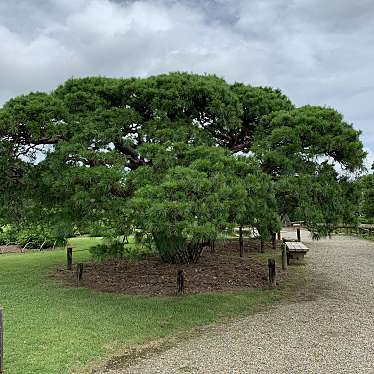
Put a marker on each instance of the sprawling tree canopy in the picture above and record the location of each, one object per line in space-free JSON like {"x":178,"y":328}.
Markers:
{"x":136,"y":151}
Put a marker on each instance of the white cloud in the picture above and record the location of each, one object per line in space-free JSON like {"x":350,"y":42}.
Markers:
{"x":318,"y":52}
{"x":370,"y":158}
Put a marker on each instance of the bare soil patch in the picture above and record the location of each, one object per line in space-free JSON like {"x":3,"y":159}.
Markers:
{"x":13,"y":248}
{"x":218,"y":271}
{"x":10,"y":249}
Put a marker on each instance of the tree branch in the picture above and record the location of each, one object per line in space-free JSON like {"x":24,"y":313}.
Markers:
{"x":132,"y":156}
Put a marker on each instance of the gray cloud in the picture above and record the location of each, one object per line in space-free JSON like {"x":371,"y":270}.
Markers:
{"x":317,"y":52}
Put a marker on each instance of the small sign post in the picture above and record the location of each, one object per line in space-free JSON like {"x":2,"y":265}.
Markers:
{"x":271,"y":265}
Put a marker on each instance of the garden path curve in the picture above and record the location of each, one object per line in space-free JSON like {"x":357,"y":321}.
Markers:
{"x":330,"y":329}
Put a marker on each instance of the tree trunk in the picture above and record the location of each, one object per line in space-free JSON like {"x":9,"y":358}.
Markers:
{"x":212,"y":246}
{"x":241,"y":244}
{"x":178,"y":250}
{"x":180,"y":282}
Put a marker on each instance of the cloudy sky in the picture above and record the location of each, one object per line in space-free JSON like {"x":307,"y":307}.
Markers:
{"x":317,"y":51}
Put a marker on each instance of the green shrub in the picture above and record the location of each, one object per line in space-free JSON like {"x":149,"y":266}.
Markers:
{"x":8,"y":235}
{"x":144,"y":239}
{"x":31,"y":237}
{"x":117,"y":249}
{"x":110,"y":250}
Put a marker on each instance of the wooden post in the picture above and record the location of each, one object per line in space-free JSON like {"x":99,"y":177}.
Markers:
{"x":271,"y":265}
{"x":69,"y":258}
{"x":79,"y":273}
{"x":298,"y":235}
{"x":241,"y":244}
{"x":274,"y":240}
{"x":1,"y":341}
{"x":262,"y":246}
{"x":279,"y":235}
{"x":284,"y":257}
{"x":180,"y":282}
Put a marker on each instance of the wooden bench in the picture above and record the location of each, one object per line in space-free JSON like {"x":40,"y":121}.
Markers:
{"x":296,"y":250}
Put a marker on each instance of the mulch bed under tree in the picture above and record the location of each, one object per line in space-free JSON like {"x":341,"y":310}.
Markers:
{"x":223,"y":270}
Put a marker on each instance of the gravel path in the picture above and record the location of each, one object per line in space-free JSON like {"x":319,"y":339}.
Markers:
{"x":330,"y":331}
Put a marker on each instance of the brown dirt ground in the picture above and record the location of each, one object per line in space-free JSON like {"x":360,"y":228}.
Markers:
{"x":222,"y":270}
{"x":10,"y":249}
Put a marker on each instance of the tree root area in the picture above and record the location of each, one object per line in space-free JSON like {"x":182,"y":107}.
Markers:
{"x":214,"y":272}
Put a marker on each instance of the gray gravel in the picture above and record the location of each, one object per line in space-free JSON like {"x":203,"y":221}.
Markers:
{"x":330,"y":331}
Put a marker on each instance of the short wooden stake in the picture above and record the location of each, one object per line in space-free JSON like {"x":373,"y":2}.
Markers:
{"x":284,"y":257}
{"x":279,"y":236}
{"x":69,"y":258}
{"x":298,"y":235}
{"x":180,"y":282}
{"x":262,"y":246}
{"x":1,"y":341}
{"x":274,"y":241}
{"x":271,"y":265}
{"x":79,"y":273}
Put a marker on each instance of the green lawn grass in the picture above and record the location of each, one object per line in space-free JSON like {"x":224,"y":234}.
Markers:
{"x":50,"y":328}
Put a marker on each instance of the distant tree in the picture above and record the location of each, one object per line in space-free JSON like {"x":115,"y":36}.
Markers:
{"x":301,"y":149}
{"x":321,"y":199}
{"x":366,"y":186}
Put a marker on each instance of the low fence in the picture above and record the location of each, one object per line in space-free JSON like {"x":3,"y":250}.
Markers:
{"x":249,"y":244}
{"x":363,"y":229}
